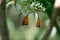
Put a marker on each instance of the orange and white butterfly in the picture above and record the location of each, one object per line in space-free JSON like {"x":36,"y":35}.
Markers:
{"x":25,"y":20}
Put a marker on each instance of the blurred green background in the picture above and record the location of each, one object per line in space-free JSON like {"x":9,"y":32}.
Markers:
{"x":18,"y":9}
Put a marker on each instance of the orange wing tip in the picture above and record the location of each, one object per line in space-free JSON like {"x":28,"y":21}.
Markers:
{"x":25,"y":20}
{"x":38,"y":22}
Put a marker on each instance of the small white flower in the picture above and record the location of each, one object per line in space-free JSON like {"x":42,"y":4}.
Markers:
{"x":37,"y":4}
{"x":40,"y":6}
{"x":33,"y":3}
{"x":43,"y":9}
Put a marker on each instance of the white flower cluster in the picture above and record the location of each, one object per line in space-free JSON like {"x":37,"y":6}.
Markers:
{"x":38,"y":5}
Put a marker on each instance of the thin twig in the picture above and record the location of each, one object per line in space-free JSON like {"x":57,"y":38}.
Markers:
{"x":52,"y":22}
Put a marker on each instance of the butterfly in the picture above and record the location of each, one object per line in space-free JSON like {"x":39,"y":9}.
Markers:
{"x":38,"y":22}
{"x":25,"y":21}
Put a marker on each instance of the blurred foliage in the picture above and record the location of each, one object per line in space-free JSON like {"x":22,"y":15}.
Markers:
{"x":49,"y":6}
{"x":24,"y":6}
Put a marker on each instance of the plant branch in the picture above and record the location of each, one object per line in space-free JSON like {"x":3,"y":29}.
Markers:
{"x":3,"y":26}
{"x":52,"y":22}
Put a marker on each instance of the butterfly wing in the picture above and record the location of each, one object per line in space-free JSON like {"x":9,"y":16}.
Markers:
{"x":25,"y":20}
